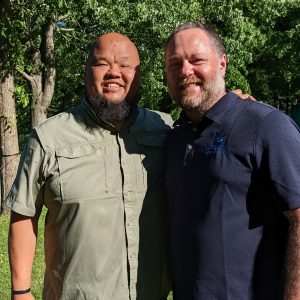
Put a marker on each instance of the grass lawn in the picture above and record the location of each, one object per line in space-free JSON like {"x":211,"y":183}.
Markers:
{"x":38,"y":267}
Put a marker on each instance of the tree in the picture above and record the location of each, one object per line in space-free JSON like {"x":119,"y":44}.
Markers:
{"x":257,"y":35}
{"x":35,"y":23}
{"x":42,"y":80}
{"x":275,"y":71}
{"x":9,"y":147}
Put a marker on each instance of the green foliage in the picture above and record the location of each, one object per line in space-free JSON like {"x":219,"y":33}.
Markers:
{"x":236,"y":80}
{"x":22,"y":95}
{"x":261,"y":39}
{"x":275,"y":74}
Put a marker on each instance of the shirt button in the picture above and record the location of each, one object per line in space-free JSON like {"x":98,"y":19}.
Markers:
{"x":189,"y":146}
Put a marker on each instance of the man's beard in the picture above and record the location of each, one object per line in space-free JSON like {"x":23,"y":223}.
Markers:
{"x":108,"y":110}
{"x":209,"y":94}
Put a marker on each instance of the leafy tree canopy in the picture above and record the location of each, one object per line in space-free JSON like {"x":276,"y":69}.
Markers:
{"x":261,"y":39}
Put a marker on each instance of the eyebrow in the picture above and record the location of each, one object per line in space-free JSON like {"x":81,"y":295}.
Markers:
{"x":97,"y":58}
{"x":174,"y":57}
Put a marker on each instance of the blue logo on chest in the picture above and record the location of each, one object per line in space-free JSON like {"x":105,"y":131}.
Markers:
{"x":217,"y":145}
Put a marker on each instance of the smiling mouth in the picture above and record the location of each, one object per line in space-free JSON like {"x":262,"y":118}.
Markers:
{"x":190,"y":85}
{"x":112,"y":85}
{"x":185,"y":85}
{"x":191,"y":81}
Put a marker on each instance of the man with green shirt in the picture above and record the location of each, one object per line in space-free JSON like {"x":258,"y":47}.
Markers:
{"x":97,"y":170}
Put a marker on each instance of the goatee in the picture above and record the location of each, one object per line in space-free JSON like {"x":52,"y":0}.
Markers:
{"x":108,"y":110}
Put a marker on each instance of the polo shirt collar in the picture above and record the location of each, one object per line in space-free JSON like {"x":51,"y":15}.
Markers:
{"x":215,"y":113}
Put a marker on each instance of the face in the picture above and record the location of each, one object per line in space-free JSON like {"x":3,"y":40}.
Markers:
{"x":112,"y":71}
{"x":195,"y":71}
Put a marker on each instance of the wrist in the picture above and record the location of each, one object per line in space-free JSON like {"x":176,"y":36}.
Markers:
{"x":20,"y":292}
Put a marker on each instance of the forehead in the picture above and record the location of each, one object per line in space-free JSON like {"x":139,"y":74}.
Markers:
{"x":115,"y":45}
{"x":189,"y":41}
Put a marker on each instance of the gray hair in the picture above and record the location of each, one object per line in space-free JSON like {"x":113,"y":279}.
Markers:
{"x":215,"y":38}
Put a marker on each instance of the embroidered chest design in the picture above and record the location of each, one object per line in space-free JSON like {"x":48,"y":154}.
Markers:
{"x":217,"y":145}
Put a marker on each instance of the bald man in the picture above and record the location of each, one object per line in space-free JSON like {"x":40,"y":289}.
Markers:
{"x":97,"y":170}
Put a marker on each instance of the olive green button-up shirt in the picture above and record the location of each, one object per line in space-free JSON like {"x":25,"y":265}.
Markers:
{"x":103,"y":188}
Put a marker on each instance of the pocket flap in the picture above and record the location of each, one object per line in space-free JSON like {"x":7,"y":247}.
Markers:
{"x":77,"y":151}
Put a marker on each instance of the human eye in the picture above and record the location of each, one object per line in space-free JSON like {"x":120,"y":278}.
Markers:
{"x":125,"y":65}
{"x":175,"y":64}
{"x":197,"y":61}
{"x":100,"y":64}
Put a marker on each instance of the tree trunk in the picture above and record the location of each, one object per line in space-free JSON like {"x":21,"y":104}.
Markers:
{"x":8,"y":138}
{"x":38,"y":111}
{"x":43,"y":82}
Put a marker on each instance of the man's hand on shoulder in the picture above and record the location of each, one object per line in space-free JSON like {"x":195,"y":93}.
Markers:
{"x":239,"y":92}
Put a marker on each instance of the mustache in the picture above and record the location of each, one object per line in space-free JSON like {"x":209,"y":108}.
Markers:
{"x":192,"y":79}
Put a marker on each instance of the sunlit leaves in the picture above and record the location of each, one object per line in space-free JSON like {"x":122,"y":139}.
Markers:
{"x":261,"y":39}
{"x":22,"y":96}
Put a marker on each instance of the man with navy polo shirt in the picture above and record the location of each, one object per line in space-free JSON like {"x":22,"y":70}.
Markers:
{"x":232,"y":179}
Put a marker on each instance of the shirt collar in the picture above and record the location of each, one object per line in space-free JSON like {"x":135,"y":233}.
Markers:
{"x":215,"y":113}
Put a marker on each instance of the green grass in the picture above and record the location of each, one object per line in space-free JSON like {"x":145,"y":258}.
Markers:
{"x":4,"y":266}
{"x":38,"y":267}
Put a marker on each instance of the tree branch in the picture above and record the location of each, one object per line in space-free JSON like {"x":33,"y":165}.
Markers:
{"x":60,"y":18}
{"x":25,"y":75}
{"x":50,"y":74}
{"x":49,"y":44}
{"x":64,"y":29}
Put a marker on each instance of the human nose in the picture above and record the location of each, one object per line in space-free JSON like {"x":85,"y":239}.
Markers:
{"x":113,"y":71}
{"x":187,"y":69}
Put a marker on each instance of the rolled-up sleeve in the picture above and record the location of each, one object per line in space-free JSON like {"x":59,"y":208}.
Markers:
{"x":26,"y":194}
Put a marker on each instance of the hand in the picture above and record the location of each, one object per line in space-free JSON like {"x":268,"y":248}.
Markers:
{"x":243,"y":96}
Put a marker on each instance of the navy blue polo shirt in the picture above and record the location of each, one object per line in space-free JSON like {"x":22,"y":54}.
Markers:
{"x":228,"y":180}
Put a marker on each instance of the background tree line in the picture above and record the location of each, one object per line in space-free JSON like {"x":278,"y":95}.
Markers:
{"x":44,"y":44}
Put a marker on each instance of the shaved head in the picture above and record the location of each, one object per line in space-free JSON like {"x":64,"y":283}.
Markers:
{"x":112,"y":38}
{"x":113,"y":76}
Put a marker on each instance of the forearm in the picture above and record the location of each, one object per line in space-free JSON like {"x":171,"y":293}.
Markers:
{"x":292,"y":263}
{"x":22,"y":242}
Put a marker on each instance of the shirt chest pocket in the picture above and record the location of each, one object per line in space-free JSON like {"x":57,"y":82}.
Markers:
{"x":82,"y":173}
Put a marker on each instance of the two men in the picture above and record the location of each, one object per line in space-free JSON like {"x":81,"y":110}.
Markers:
{"x":233,"y":182}
{"x":98,"y":171}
